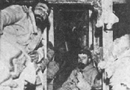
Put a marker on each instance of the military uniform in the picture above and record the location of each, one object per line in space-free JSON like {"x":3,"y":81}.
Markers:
{"x":20,"y":34}
{"x":76,"y":79}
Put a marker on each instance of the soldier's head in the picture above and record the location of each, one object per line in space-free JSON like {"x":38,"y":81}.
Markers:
{"x":84,"y":57}
{"x":41,"y":12}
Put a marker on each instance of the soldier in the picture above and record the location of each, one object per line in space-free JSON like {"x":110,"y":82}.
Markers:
{"x":21,"y":32}
{"x":84,"y":75}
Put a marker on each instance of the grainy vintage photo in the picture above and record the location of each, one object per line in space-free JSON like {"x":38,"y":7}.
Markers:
{"x":64,"y":44}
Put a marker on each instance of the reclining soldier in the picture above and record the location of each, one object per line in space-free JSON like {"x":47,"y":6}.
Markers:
{"x":83,"y":77}
{"x":21,"y":33}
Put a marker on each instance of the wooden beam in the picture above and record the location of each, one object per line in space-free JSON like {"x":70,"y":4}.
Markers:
{"x":90,"y":30}
{"x":51,"y":39}
{"x":85,"y":31}
{"x":44,"y":41}
{"x":119,"y":1}
{"x":107,"y":7}
{"x":81,"y":1}
{"x":51,"y":31}
{"x":70,"y":1}
{"x":30,"y":2}
{"x":0,"y":24}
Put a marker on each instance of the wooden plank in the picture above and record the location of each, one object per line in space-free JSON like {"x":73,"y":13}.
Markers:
{"x":107,"y":40}
{"x":119,"y":1}
{"x":90,"y":30}
{"x":51,"y":39}
{"x":58,"y":1}
{"x":107,"y":7}
{"x":44,"y":41}
{"x":71,"y":1}
{"x":0,"y":24}
{"x":81,"y":1}
{"x":51,"y":31}
{"x":85,"y":32}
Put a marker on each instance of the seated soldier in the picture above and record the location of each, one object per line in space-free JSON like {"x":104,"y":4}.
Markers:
{"x":83,"y":77}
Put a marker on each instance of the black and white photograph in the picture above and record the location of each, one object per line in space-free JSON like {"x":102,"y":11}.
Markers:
{"x":64,"y":44}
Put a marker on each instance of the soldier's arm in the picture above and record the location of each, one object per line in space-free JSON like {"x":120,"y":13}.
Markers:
{"x":93,"y":76}
{"x":11,"y":15}
{"x":72,"y":80}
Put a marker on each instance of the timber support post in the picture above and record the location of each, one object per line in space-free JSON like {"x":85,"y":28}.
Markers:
{"x":107,"y":7}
